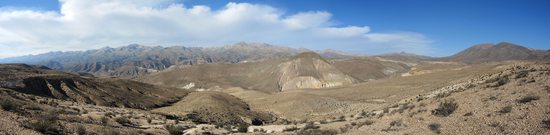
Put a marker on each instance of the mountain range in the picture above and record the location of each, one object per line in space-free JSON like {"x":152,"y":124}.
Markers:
{"x":137,"y":60}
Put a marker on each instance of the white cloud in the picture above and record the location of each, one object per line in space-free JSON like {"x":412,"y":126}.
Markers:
{"x":83,"y":24}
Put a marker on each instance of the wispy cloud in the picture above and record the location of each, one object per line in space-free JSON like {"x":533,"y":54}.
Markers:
{"x":93,"y":24}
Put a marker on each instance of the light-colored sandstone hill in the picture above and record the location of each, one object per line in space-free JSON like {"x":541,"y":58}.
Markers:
{"x":304,"y":71}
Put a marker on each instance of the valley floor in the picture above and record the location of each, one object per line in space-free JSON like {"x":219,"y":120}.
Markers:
{"x":488,"y":98}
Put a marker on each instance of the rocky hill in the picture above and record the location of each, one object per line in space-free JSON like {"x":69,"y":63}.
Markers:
{"x":45,"y":82}
{"x":306,"y":70}
{"x":217,"y":108}
{"x":497,"y":52}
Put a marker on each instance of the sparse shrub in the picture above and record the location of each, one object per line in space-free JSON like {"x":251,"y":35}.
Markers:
{"x":445,"y":108}
{"x":52,"y":103}
{"x":257,"y":122}
{"x":435,"y":127}
{"x":404,"y":107}
{"x":149,"y":120}
{"x":73,"y":118}
{"x":109,"y":131}
{"x":196,"y":118}
{"x":310,"y":125}
{"x":84,"y":111}
{"x":317,"y":132}
{"x":33,"y":107}
{"x":546,"y":123}
{"x":528,"y":99}
{"x":419,"y":98}
{"x":243,"y":128}
{"x":496,"y":82}
{"x":393,"y":125}
{"x":506,"y":109}
{"x":341,"y":118}
{"x":521,"y":74}
{"x":442,"y":95}
{"x":8,"y":104}
{"x":80,"y":130}
{"x":104,"y":120}
{"x":396,"y":123}
{"x":386,"y":110}
{"x":46,"y":123}
{"x":123,"y":121}
{"x":109,"y":114}
{"x":493,"y":98}
{"x":363,"y":113}
{"x":366,"y":122}
{"x":292,"y":128}
{"x":343,"y":129}
{"x":174,"y":130}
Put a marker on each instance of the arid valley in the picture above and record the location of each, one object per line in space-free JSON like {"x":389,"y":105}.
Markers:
{"x":274,"y":67}
{"x":287,"y":92}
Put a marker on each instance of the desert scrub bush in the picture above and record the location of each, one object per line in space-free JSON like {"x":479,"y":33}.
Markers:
{"x":149,"y":120}
{"x":366,"y":122}
{"x":242,"y":128}
{"x":393,"y":125}
{"x":528,"y":99}
{"x":289,"y":129}
{"x":396,"y":123}
{"x":310,"y":125}
{"x":174,"y":130}
{"x":442,"y":95}
{"x":404,"y":107}
{"x":33,"y":107}
{"x":80,"y":130}
{"x":546,"y":123}
{"x":363,"y":113}
{"x":123,"y":121}
{"x":506,"y":109}
{"x":341,"y":118}
{"x":104,"y":120}
{"x":109,"y":131}
{"x":8,"y":104}
{"x":496,"y":82}
{"x":46,"y":123}
{"x":257,"y":122}
{"x":109,"y":114}
{"x":435,"y":127}
{"x":317,"y":132}
{"x":446,"y":108}
{"x":521,"y":74}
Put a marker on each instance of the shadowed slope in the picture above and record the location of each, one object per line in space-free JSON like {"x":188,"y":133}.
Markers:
{"x":100,"y":91}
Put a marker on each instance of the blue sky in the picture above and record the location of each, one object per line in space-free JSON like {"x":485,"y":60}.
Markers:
{"x":430,"y":27}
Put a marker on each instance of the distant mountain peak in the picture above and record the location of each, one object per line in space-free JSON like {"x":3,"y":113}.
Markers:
{"x":309,"y":54}
{"x":496,"y":52}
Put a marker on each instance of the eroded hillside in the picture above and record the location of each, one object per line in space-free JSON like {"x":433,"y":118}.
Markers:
{"x":306,"y":70}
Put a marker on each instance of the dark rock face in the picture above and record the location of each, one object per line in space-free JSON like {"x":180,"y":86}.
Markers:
{"x":497,"y":52}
